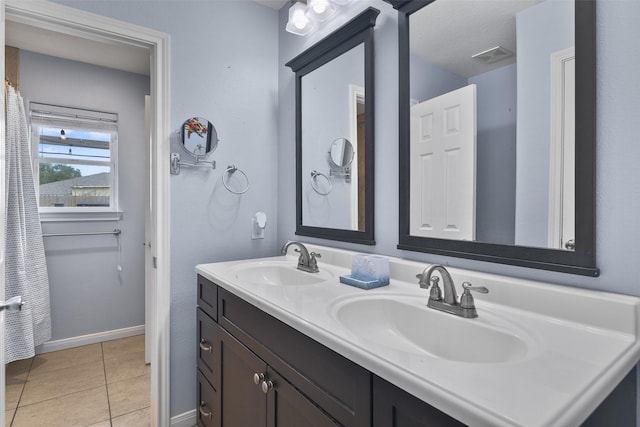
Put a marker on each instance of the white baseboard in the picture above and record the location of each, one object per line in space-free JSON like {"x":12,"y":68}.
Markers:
{"x":66,"y":343}
{"x":188,"y":419}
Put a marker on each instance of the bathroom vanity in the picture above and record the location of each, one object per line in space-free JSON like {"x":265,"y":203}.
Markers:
{"x":282,"y":347}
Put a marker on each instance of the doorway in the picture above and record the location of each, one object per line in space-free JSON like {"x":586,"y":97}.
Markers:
{"x":66,"y":22}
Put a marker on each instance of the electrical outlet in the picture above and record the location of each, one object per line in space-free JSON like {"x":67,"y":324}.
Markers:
{"x":256,"y":232}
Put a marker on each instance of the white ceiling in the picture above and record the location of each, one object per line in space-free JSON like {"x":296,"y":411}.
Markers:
{"x":118,"y":56}
{"x":451,"y":31}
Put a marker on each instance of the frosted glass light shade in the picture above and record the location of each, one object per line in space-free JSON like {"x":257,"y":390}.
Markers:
{"x":321,"y":9}
{"x":299,"y":22}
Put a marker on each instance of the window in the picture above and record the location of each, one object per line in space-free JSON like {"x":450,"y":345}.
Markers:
{"x":76,"y":159}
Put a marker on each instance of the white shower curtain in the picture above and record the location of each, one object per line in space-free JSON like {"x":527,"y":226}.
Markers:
{"x":26,"y":267}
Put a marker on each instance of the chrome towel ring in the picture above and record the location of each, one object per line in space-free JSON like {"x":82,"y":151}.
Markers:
{"x":314,"y":182}
{"x":230,"y":170}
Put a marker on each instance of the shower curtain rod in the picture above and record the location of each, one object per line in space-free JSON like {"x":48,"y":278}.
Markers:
{"x":116,"y":232}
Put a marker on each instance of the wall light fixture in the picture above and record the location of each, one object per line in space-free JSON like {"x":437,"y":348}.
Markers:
{"x":304,"y":15}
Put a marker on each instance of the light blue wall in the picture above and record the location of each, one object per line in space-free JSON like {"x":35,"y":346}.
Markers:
{"x":496,"y":155}
{"x":618,"y":188}
{"x":224,"y":65}
{"x":541,"y":30}
{"x":429,"y":80}
{"x":83,"y":269}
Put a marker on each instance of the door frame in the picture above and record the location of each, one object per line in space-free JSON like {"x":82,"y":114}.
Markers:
{"x":67,"y":20}
{"x":2,"y":219}
{"x":558,"y":61}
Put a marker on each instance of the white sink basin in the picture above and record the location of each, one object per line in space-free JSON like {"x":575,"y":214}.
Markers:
{"x":406,"y":324}
{"x":278,"y":274}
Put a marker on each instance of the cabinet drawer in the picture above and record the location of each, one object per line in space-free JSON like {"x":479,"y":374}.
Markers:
{"x":206,"y":350}
{"x":337,"y":385}
{"x":208,"y":297}
{"x":208,"y":413}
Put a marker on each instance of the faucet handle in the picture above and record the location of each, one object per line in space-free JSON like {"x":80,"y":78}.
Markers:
{"x":313,"y":263}
{"x":466,"y":300}
{"x":468,"y":286}
{"x":436,"y":293}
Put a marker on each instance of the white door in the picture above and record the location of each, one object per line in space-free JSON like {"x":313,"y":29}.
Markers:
{"x":443,"y":166}
{"x":562,"y":151}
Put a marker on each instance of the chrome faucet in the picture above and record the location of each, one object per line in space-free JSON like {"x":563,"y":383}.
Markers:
{"x":306,"y":261}
{"x":465,"y":308}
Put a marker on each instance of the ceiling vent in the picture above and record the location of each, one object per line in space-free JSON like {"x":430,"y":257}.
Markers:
{"x":493,"y":55}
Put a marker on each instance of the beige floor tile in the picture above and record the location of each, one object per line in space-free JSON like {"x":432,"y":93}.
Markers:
{"x":120,"y":347}
{"x":8,"y":416}
{"x":78,"y":409}
{"x":129,"y":395}
{"x":126,"y":366}
{"x":106,"y":423}
{"x":140,"y":418}
{"x":61,"y":382}
{"x":48,"y":362}
{"x":17,"y":371}
{"x":12,"y":395}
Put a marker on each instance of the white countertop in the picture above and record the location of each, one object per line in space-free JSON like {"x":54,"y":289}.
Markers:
{"x":580,"y":343}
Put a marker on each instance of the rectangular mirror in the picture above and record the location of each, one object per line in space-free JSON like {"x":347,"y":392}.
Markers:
{"x":497,"y":134}
{"x":334,"y":134}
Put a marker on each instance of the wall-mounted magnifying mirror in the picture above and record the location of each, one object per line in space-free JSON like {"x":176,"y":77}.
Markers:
{"x":497,"y":141}
{"x":341,"y":153}
{"x":335,"y":102}
{"x":340,"y":158}
{"x":198,"y":136}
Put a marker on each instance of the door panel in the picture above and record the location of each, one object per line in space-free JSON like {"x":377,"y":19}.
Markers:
{"x":288,"y":407}
{"x":242,"y":402}
{"x":443,"y":166}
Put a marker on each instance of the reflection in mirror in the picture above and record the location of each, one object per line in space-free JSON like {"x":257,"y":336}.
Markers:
{"x":488,"y":132}
{"x":329,"y":111}
{"x":341,"y":153}
{"x":198,"y":136}
{"x":501,"y":165}
{"x":334,"y":124}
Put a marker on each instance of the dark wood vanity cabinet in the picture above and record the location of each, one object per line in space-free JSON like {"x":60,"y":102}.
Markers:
{"x":394,"y":407}
{"x":255,"y":371}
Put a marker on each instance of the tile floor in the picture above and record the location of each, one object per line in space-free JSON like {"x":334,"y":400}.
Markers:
{"x":97,"y":385}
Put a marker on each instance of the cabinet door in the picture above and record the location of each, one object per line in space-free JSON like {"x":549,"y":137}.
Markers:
{"x":242,"y":402}
{"x":393,"y":407}
{"x":288,"y":407}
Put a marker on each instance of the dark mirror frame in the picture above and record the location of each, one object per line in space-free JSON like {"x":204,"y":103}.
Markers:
{"x":356,"y":31}
{"x":582,"y":261}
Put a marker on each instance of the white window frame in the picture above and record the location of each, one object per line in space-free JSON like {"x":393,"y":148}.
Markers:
{"x":44,"y":115}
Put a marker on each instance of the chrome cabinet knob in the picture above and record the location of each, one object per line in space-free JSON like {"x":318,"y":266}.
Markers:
{"x":258,"y":378}
{"x":266,"y":386}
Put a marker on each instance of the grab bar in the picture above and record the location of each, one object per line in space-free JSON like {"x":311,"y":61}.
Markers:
{"x":115,"y":232}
